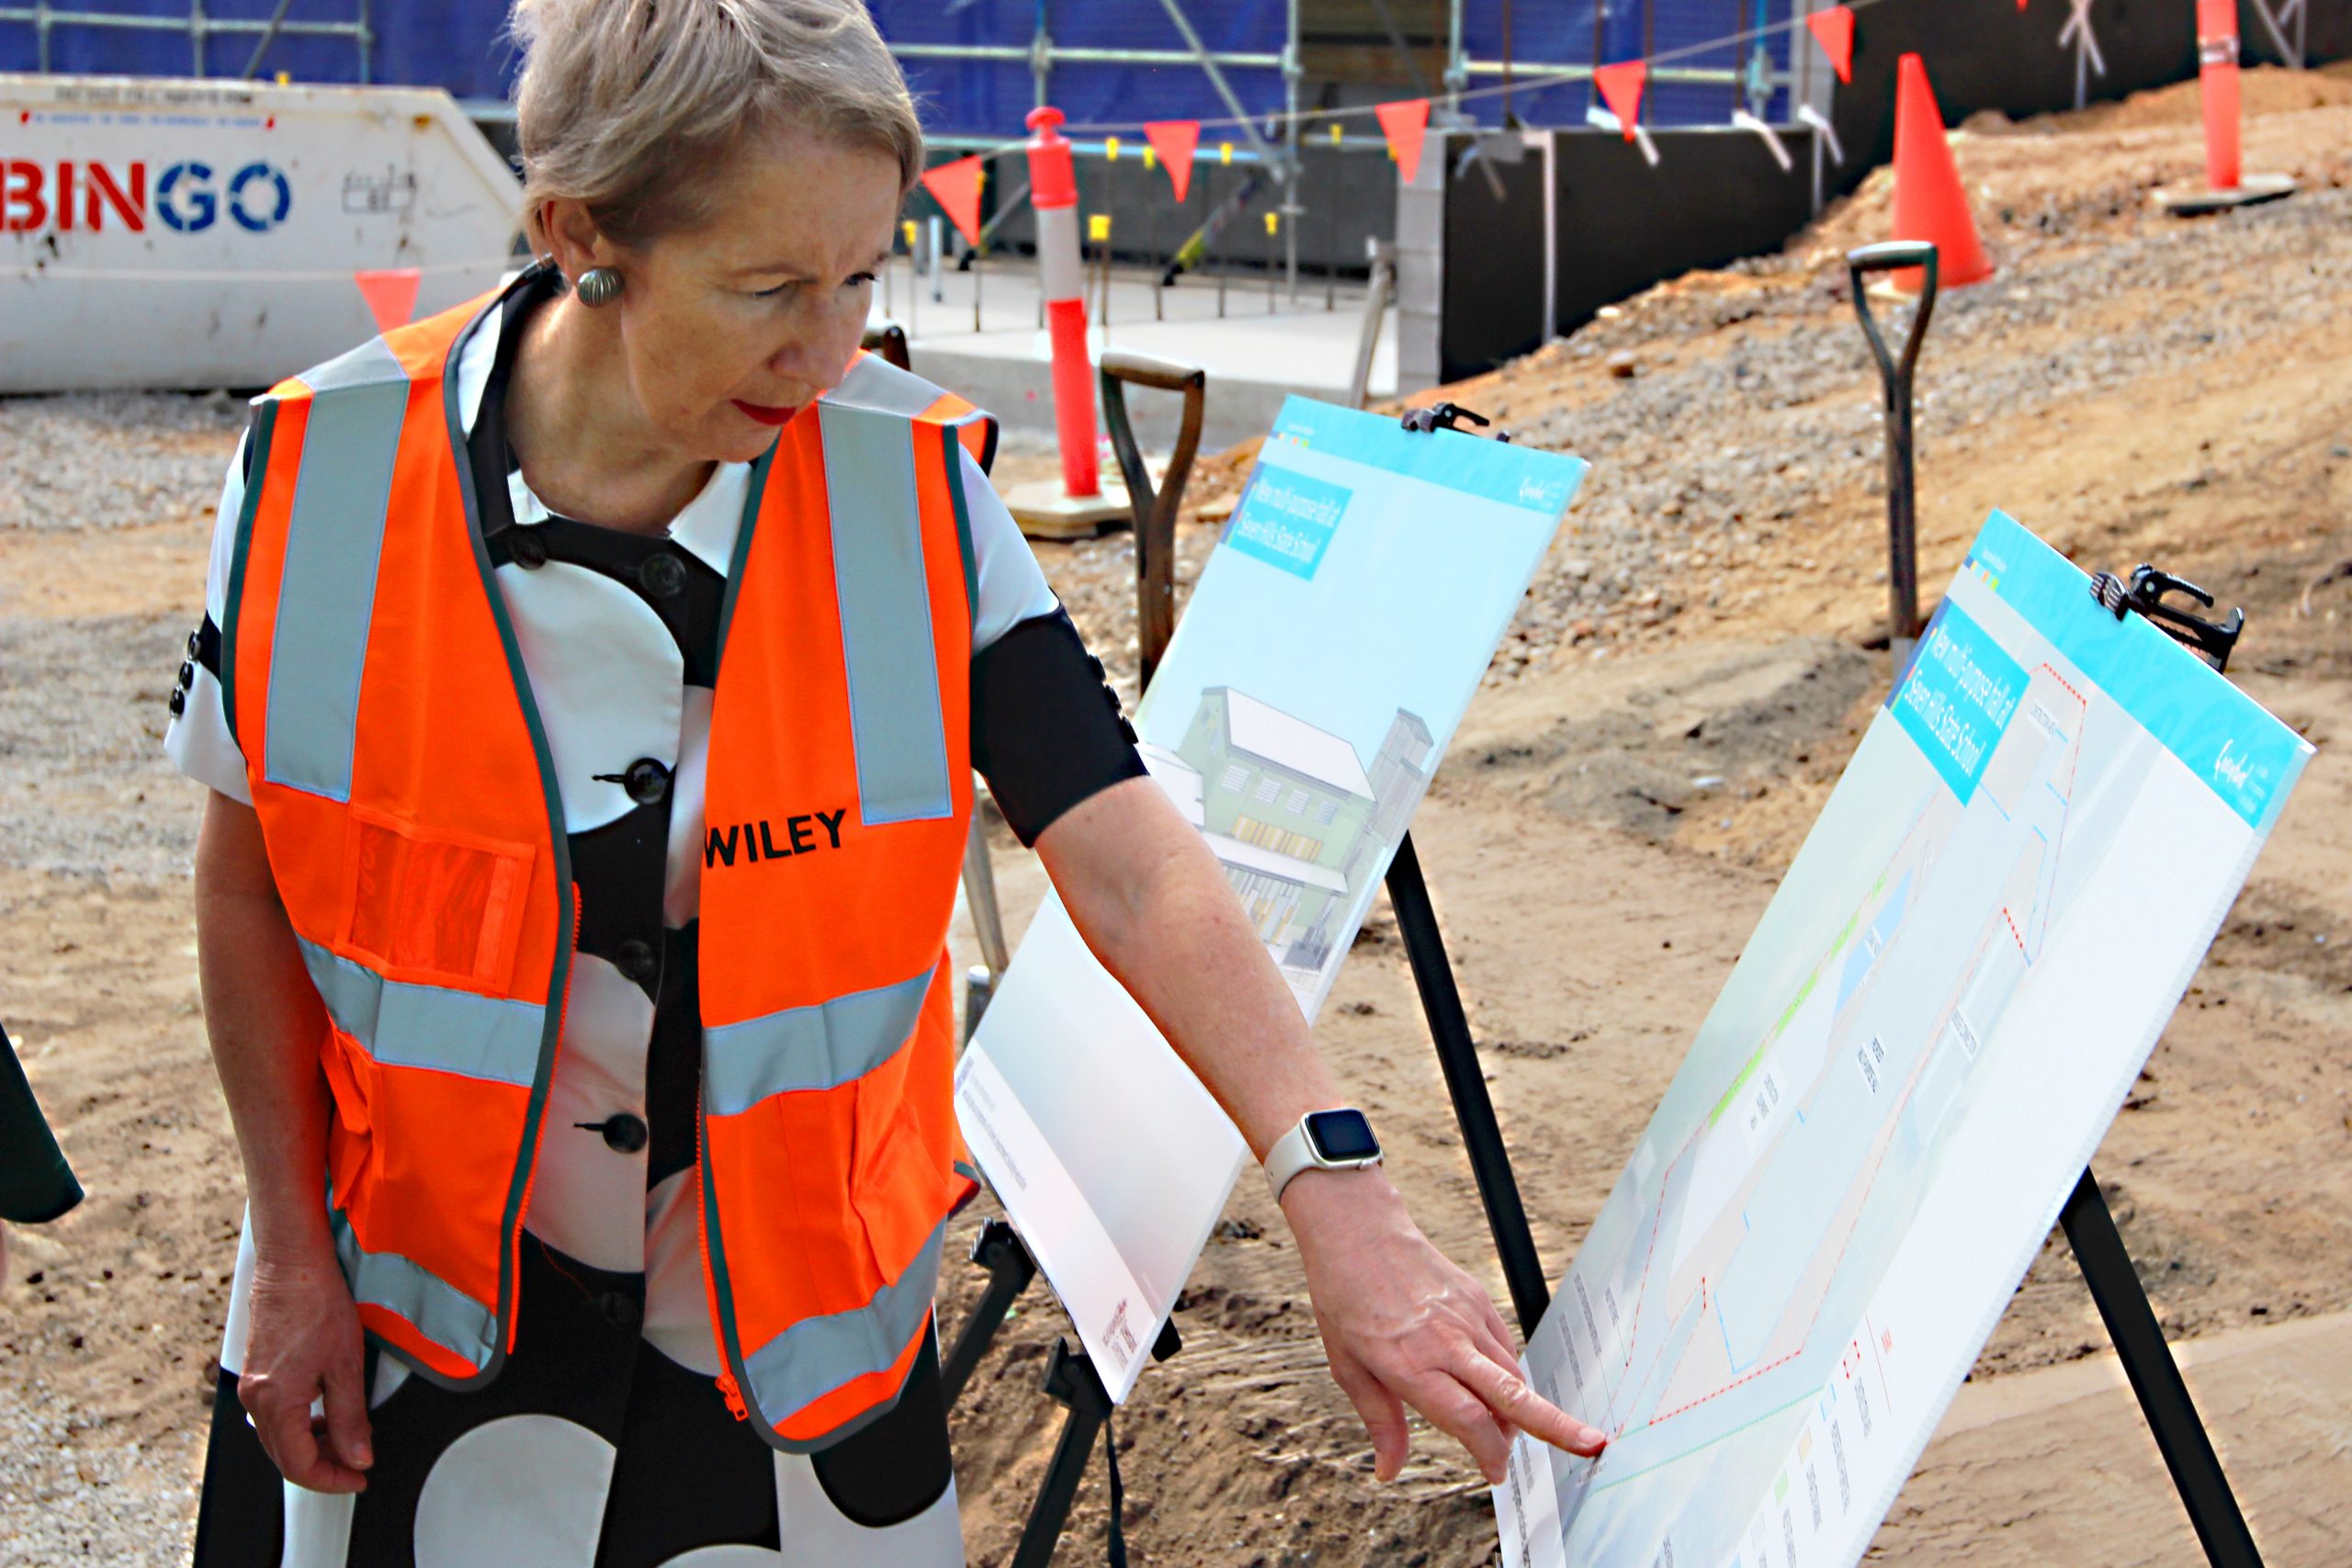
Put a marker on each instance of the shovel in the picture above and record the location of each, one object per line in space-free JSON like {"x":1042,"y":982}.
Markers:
{"x":1895,"y":372}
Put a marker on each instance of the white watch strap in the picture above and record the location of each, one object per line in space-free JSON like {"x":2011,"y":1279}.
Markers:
{"x":1294,"y":1152}
{"x":1290,"y":1154}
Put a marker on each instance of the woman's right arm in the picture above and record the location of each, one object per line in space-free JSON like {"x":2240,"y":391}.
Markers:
{"x":265,"y":1020}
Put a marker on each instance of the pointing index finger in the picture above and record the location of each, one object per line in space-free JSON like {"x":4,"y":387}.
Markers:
{"x":1506,"y":1394}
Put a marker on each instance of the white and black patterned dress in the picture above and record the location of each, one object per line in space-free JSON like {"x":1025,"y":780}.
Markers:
{"x":604,"y":1442}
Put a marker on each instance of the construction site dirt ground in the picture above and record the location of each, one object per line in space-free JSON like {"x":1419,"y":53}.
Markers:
{"x":1689,"y":673}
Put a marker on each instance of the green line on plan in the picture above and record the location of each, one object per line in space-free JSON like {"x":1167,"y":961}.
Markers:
{"x":1755,"y":1056}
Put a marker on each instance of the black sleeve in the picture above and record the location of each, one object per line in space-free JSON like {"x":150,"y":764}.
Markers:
{"x":35,"y":1184}
{"x":1046,"y":730}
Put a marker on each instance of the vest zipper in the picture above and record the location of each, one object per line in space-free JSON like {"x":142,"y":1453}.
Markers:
{"x":727,"y":1388}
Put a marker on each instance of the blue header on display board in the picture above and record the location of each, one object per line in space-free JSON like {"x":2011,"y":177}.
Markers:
{"x":2225,"y":738}
{"x":1492,"y":470}
{"x":1287,"y":519}
{"x":1957,"y":697}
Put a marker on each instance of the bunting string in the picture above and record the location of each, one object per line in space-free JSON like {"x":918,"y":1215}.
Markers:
{"x":1618,"y":84}
{"x":1536,"y":80}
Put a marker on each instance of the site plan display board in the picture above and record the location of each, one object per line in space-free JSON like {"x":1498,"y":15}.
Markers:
{"x":1335,"y":638}
{"x":1915,"y":1057}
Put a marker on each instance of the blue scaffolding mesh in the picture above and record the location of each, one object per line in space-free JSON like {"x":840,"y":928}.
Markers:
{"x":991,"y":98}
{"x":461,"y":45}
{"x":456,"y":44}
{"x":1584,"y":34}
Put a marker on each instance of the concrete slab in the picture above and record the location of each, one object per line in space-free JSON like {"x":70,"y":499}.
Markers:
{"x":2058,"y":1466}
{"x":1254,"y":357}
{"x":2248,"y":192}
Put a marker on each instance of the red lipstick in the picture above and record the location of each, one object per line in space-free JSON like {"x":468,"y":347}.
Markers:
{"x":764,"y":414}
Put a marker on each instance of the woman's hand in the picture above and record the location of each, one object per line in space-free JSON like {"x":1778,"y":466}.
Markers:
{"x":1402,"y":1326}
{"x":305,"y":1344}
{"x":266,"y":1021}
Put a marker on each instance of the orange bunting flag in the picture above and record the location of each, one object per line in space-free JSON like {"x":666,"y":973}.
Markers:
{"x":1174,"y":142}
{"x":1834,"y":31}
{"x":390,"y":293}
{"x":957,"y":187}
{"x":1620,"y":88}
{"x":1404,"y":124}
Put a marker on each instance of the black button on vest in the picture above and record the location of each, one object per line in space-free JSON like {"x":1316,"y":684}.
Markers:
{"x":622,"y":1133}
{"x":662,"y":577}
{"x":647,"y":781}
{"x":528,"y":548}
{"x":636,"y":960}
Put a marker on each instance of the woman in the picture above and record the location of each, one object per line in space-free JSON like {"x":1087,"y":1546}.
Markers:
{"x":590,"y":689}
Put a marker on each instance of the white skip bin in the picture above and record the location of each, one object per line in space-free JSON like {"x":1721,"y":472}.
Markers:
{"x":189,"y":233}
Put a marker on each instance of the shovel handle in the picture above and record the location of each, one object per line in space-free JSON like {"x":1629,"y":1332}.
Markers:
{"x":1154,"y":510}
{"x":1894,"y":371}
{"x":1891,"y":255}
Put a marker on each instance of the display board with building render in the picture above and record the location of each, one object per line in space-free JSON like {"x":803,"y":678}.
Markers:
{"x":1330,"y":650}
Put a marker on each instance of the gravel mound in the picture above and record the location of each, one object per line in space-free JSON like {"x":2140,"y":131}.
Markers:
{"x":61,"y":1503}
{"x":1695,"y":467}
{"x":110,"y":460}
{"x":85,"y":786}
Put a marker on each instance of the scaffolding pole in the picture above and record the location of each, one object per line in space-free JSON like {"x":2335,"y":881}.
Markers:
{"x":1292,"y":70}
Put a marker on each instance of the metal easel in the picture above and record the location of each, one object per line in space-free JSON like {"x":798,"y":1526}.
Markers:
{"x":2123,"y":1306}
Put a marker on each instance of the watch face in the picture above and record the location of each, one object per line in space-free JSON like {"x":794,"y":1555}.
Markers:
{"x":1341,"y":1135}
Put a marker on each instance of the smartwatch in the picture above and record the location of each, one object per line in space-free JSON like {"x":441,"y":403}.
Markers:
{"x":1323,"y":1139}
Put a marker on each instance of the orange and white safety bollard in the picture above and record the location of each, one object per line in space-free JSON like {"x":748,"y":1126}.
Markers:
{"x":1082,"y":502}
{"x":2217,"y":82}
{"x":1061,"y":276}
{"x":2226,"y":183}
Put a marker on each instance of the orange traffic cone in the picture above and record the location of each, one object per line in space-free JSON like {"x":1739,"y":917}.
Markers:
{"x":1929,"y":203}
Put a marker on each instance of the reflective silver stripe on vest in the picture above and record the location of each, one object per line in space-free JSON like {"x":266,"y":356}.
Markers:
{"x":820,"y":1046}
{"x":886,"y":649}
{"x":817,"y":1355}
{"x":328,"y":593}
{"x":407,"y":1025}
{"x":873,"y":382}
{"x":436,"y":1308}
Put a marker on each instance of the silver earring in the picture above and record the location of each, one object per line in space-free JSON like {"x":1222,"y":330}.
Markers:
{"x":598,"y":286}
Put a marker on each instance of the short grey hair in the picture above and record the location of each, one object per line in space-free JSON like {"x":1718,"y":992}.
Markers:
{"x":632,"y":106}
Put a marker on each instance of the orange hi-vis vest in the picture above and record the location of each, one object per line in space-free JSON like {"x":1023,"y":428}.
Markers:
{"x":414,"y":830}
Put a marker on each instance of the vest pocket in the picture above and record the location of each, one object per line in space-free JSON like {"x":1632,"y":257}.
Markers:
{"x":900,"y":1175}
{"x":427,"y":903}
{"x":351,"y":1081}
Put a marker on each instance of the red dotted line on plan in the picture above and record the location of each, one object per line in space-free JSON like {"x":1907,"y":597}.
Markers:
{"x":2013,"y":931}
{"x":1811,"y":1323}
{"x":1656,"y":1221}
{"x":2061,"y":681}
{"x":1725,"y":1389}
